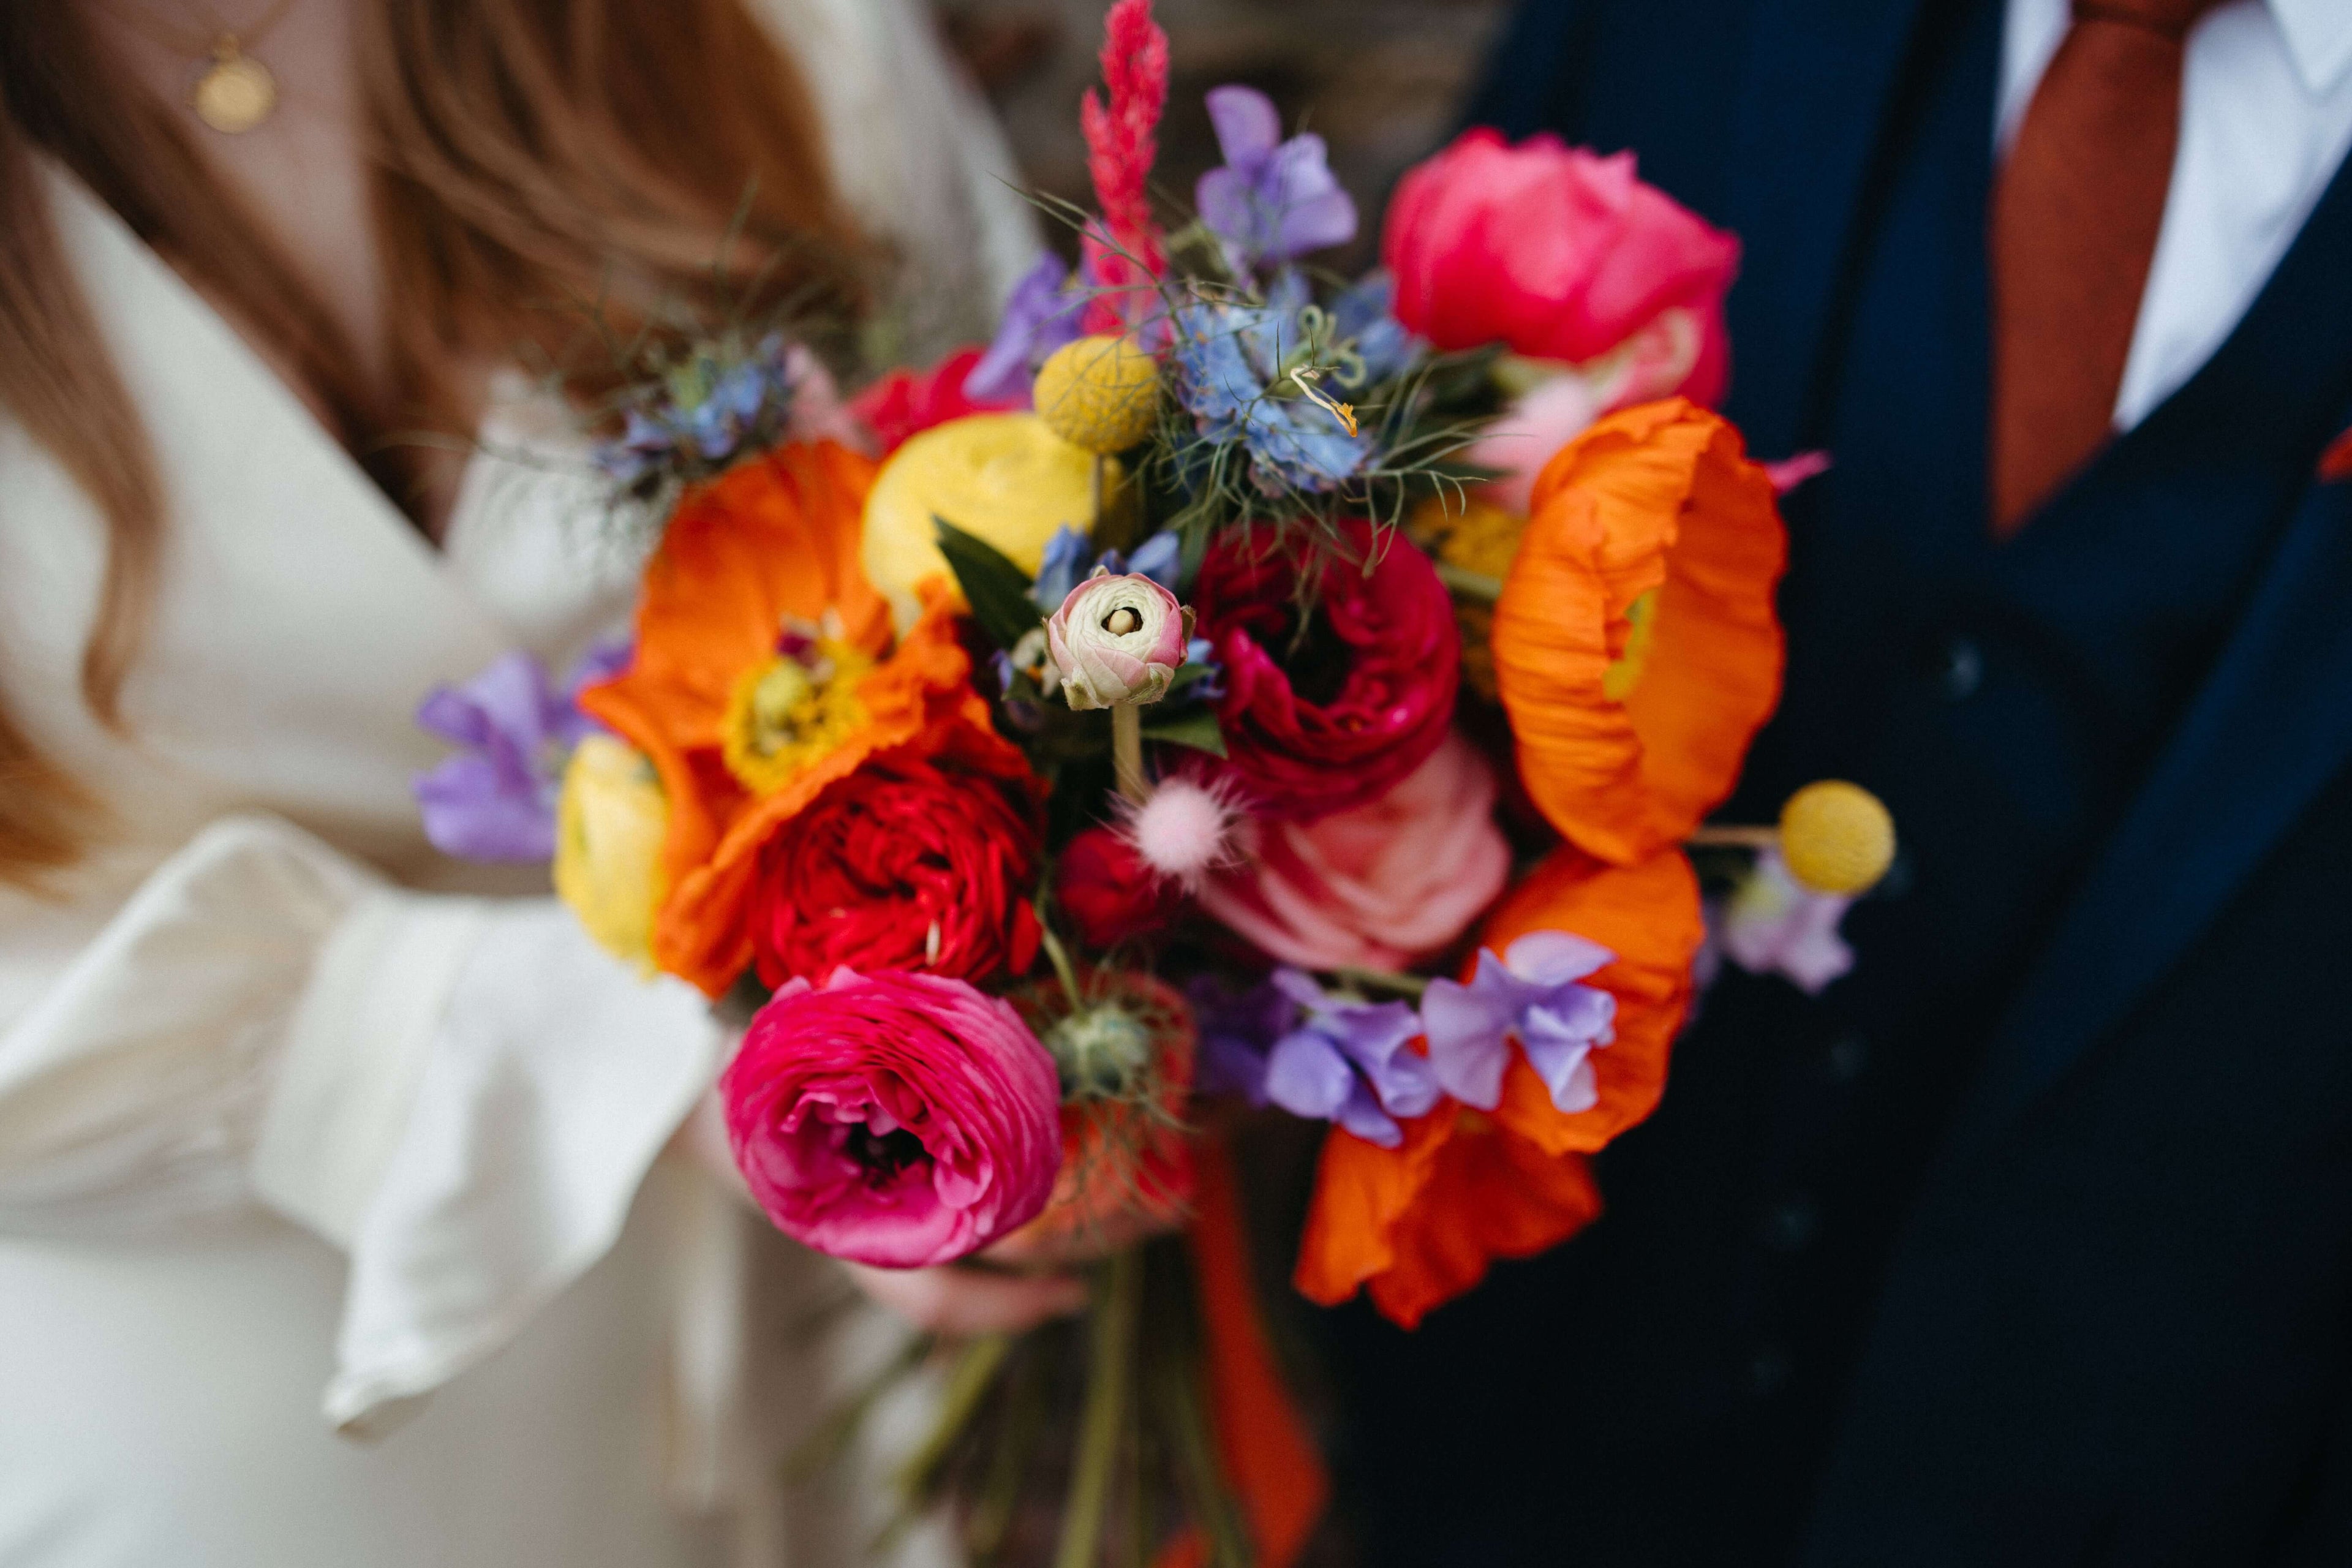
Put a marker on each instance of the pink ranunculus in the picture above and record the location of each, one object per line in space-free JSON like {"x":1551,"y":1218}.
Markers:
{"x":1522,"y":441}
{"x":891,"y":1118}
{"x":1382,"y":886}
{"x":1559,"y":253}
{"x":1117,"y":640}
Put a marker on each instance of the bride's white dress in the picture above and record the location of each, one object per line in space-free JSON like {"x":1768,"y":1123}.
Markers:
{"x":332,"y":1224}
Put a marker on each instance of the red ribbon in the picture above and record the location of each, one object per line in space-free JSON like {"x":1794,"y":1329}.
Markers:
{"x":1269,"y":1460}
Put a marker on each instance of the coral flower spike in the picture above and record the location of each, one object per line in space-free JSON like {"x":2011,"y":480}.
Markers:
{"x":1637,"y":649}
{"x":741,"y":741}
{"x":1418,"y":1224}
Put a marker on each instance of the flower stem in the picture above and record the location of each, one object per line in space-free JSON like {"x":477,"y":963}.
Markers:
{"x":1057,"y":956}
{"x":1725,"y":836}
{"x":1470,"y":584}
{"x":1381,"y":980}
{"x":1126,"y":751}
{"x":1118,"y":1301}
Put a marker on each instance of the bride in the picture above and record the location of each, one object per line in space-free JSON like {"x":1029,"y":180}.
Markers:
{"x":335,"y":1224}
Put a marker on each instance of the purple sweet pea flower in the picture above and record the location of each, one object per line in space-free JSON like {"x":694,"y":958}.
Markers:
{"x":1347,"y":1062}
{"x":1772,"y":925}
{"x":1273,"y":200}
{"x":495,"y":799}
{"x":1530,"y":992}
{"x":1288,"y":1043}
{"x":1237,"y":1031}
{"x":1043,"y":314}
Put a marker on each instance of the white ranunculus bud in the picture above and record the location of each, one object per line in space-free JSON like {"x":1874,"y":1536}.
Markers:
{"x":1117,"y":640}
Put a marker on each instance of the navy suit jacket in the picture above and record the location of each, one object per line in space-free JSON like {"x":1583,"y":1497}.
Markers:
{"x":2113,"y":1324}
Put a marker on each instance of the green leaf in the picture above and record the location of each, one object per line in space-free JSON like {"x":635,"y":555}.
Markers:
{"x":997,"y":590}
{"x":1186,"y":675}
{"x":1197,"y":730}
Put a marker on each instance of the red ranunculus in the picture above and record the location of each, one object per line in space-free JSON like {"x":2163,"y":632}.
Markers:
{"x":897,"y":1119}
{"x":910,"y":863}
{"x":1109,"y":891}
{"x":908,"y":402}
{"x":1318,"y":723}
{"x":1559,"y":253}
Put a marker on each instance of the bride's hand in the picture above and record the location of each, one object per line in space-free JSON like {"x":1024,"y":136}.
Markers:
{"x":1022,"y":1281}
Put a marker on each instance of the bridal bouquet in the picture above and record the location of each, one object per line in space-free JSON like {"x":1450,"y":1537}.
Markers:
{"x":1234,"y":686}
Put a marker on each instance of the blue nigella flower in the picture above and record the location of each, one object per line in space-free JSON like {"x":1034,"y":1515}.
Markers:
{"x":1230,"y":360}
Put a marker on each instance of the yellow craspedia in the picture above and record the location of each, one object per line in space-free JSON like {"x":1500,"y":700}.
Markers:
{"x":609,"y":824}
{"x":1004,"y":478}
{"x":1100,"y":392}
{"x":1836,"y":837}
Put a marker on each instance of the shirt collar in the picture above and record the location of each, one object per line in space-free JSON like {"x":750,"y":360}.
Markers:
{"x":2319,"y":36}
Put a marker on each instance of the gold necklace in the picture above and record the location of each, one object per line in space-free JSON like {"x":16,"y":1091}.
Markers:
{"x":235,"y":92}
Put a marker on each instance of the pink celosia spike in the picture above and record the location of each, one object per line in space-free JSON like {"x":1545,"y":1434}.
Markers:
{"x":1125,"y":256}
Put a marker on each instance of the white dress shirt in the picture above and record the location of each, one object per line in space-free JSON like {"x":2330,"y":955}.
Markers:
{"x":2265,"y":118}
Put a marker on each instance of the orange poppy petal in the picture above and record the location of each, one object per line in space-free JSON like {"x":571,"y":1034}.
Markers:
{"x":1361,"y":1193}
{"x":1656,"y":498}
{"x":1418,"y":1225}
{"x":1649,"y":916}
{"x":770,"y":539}
{"x":1492,"y":1195}
{"x":919,"y":700}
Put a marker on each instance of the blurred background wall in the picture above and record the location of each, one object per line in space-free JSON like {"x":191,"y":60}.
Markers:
{"x":1382,"y":80}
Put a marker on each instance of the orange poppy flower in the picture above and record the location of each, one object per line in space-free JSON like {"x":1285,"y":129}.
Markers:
{"x":1636,"y":644}
{"x":1418,"y":1224}
{"x":770,"y":546}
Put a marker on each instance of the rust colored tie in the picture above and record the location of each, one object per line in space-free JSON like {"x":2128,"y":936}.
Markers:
{"x":2074,"y":217}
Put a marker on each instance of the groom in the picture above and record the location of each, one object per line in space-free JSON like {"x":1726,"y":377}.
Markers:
{"x":2030,"y":1241}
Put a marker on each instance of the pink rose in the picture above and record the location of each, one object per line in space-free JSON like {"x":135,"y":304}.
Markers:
{"x":1379,"y":887}
{"x":1559,"y":253}
{"x":896,"y":1119}
{"x":1117,"y":640}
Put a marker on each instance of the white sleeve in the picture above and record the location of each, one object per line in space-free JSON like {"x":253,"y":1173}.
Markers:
{"x":463,"y":1094}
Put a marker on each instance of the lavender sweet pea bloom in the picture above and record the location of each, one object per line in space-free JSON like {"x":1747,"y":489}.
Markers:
{"x":1041,"y":314}
{"x":1273,"y":200}
{"x":1235,"y":1033}
{"x":495,"y":799}
{"x":1772,"y":925}
{"x":1530,"y":992}
{"x":1289,"y":1043}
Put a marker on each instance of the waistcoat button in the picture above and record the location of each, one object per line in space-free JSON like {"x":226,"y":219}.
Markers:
{"x":1963,"y":670}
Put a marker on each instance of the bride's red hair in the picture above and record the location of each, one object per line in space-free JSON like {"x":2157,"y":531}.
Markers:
{"x":531,"y":154}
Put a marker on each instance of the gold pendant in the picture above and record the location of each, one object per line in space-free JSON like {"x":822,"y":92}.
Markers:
{"x":236,"y":92}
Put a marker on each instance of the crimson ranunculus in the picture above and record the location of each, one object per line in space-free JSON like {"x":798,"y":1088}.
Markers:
{"x":1319,"y":723}
{"x":897,"y":1119}
{"x":908,"y":863}
{"x":1559,"y":253}
{"x":1109,"y":891}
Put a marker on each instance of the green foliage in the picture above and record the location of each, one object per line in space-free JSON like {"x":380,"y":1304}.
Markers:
{"x":997,"y":590}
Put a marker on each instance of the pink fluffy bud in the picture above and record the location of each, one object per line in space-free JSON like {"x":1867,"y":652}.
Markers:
{"x":1186,"y":830}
